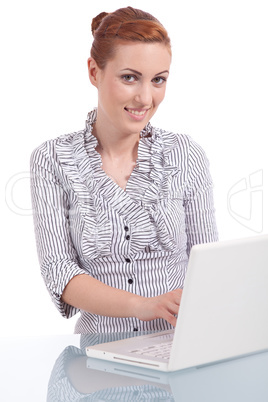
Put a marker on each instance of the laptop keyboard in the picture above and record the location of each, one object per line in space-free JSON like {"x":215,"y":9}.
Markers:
{"x":160,"y":350}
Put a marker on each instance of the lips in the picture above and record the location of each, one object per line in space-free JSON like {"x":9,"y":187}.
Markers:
{"x":137,"y":112}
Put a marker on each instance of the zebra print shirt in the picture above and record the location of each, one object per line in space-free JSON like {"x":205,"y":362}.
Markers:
{"x":138,"y":239}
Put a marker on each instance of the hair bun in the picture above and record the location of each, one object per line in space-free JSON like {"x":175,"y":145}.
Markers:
{"x":97,"y":21}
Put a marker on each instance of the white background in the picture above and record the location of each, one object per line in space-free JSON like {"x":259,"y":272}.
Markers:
{"x":217,"y":93}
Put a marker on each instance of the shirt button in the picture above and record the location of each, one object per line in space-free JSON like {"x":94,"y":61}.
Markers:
{"x":127,"y":237}
{"x":130,"y":281}
{"x":126,"y":228}
{"x":127,"y":259}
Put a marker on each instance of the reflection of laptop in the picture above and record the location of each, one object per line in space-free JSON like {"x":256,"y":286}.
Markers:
{"x":223,"y":312}
{"x":243,"y":379}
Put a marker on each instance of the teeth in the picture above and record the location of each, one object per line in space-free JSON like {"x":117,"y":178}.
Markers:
{"x":136,"y":112}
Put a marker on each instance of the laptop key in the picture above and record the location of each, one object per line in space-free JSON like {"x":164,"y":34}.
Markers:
{"x":161,"y":350}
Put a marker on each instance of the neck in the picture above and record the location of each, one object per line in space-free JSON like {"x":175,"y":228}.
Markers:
{"x":116,"y":145}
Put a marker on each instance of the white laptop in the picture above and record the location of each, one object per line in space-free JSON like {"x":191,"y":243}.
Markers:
{"x":223,"y":312}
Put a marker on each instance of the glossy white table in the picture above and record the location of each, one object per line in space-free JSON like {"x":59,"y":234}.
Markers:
{"x":57,"y":369}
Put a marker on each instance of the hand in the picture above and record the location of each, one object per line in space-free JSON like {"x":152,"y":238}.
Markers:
{"x":165,"y":306}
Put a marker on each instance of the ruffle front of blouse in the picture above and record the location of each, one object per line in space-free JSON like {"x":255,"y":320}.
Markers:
{"x":149,"y":184}
{"x":81,"y":164}
{"x":98,"y":193}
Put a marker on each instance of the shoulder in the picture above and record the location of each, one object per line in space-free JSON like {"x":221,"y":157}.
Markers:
{"x":180,"y":145}
{"x":48,"y":150}
{"x":171,"y":138}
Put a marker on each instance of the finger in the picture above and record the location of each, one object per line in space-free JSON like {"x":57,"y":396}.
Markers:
{"x":171,"y":319}
{"x":177,"y":294}
{"x":177,"y":301}
{"x":174,"y":309}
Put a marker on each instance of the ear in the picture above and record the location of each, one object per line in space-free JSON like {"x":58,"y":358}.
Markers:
{"x":93,"y":71}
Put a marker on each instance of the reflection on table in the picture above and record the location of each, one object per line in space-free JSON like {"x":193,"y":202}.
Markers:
{"x":75,"y":377}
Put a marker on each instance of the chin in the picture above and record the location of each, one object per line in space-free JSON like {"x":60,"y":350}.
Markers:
{"x":136,"y":129}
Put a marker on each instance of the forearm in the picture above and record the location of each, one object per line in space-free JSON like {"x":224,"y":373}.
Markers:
{"x":89,"y":294}
{"x":93,"y":296}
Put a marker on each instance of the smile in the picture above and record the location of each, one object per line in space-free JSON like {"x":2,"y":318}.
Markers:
{"x":136,"y":112}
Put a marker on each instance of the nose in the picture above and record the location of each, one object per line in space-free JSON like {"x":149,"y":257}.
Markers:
{"x":144,"y":95}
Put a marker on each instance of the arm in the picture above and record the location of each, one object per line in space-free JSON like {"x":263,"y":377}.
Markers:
{"x":91,"y":295}
{"x":70,"y":287}
{"x":199,"y":205}
{"x":57,"y":256}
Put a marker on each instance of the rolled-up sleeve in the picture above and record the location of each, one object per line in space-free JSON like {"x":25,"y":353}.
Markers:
{"x":199,"y":203}
{"x":57,"y":256}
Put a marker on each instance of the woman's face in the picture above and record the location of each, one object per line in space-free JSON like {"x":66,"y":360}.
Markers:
{"x":131,"y":86}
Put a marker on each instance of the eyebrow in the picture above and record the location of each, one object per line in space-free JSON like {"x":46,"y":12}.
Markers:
{"x":138,"y":73}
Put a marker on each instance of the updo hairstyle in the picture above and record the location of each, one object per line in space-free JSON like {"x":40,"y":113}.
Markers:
{"x":124,"y":24}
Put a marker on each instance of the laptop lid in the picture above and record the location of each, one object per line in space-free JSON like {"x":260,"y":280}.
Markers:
{"x":224,"y":307}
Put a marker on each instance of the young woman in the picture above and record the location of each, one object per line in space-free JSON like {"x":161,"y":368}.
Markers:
{"x":119,"y":204}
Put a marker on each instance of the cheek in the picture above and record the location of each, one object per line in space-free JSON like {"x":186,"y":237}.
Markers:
{"x":118,"y":93}
{"x":160,"y":95}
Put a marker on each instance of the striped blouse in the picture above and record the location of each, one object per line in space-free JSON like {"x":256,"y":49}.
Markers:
{"x":137,"y":239}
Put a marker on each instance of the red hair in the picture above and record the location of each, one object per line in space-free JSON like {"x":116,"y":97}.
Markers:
{"x":125,"y":24}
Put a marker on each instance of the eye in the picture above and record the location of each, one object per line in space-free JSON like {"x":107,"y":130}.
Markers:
{"x":159,"y":80}
{"x":129,"y":78}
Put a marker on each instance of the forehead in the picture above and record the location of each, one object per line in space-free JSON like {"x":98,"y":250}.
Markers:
{"x":141,"y":56}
